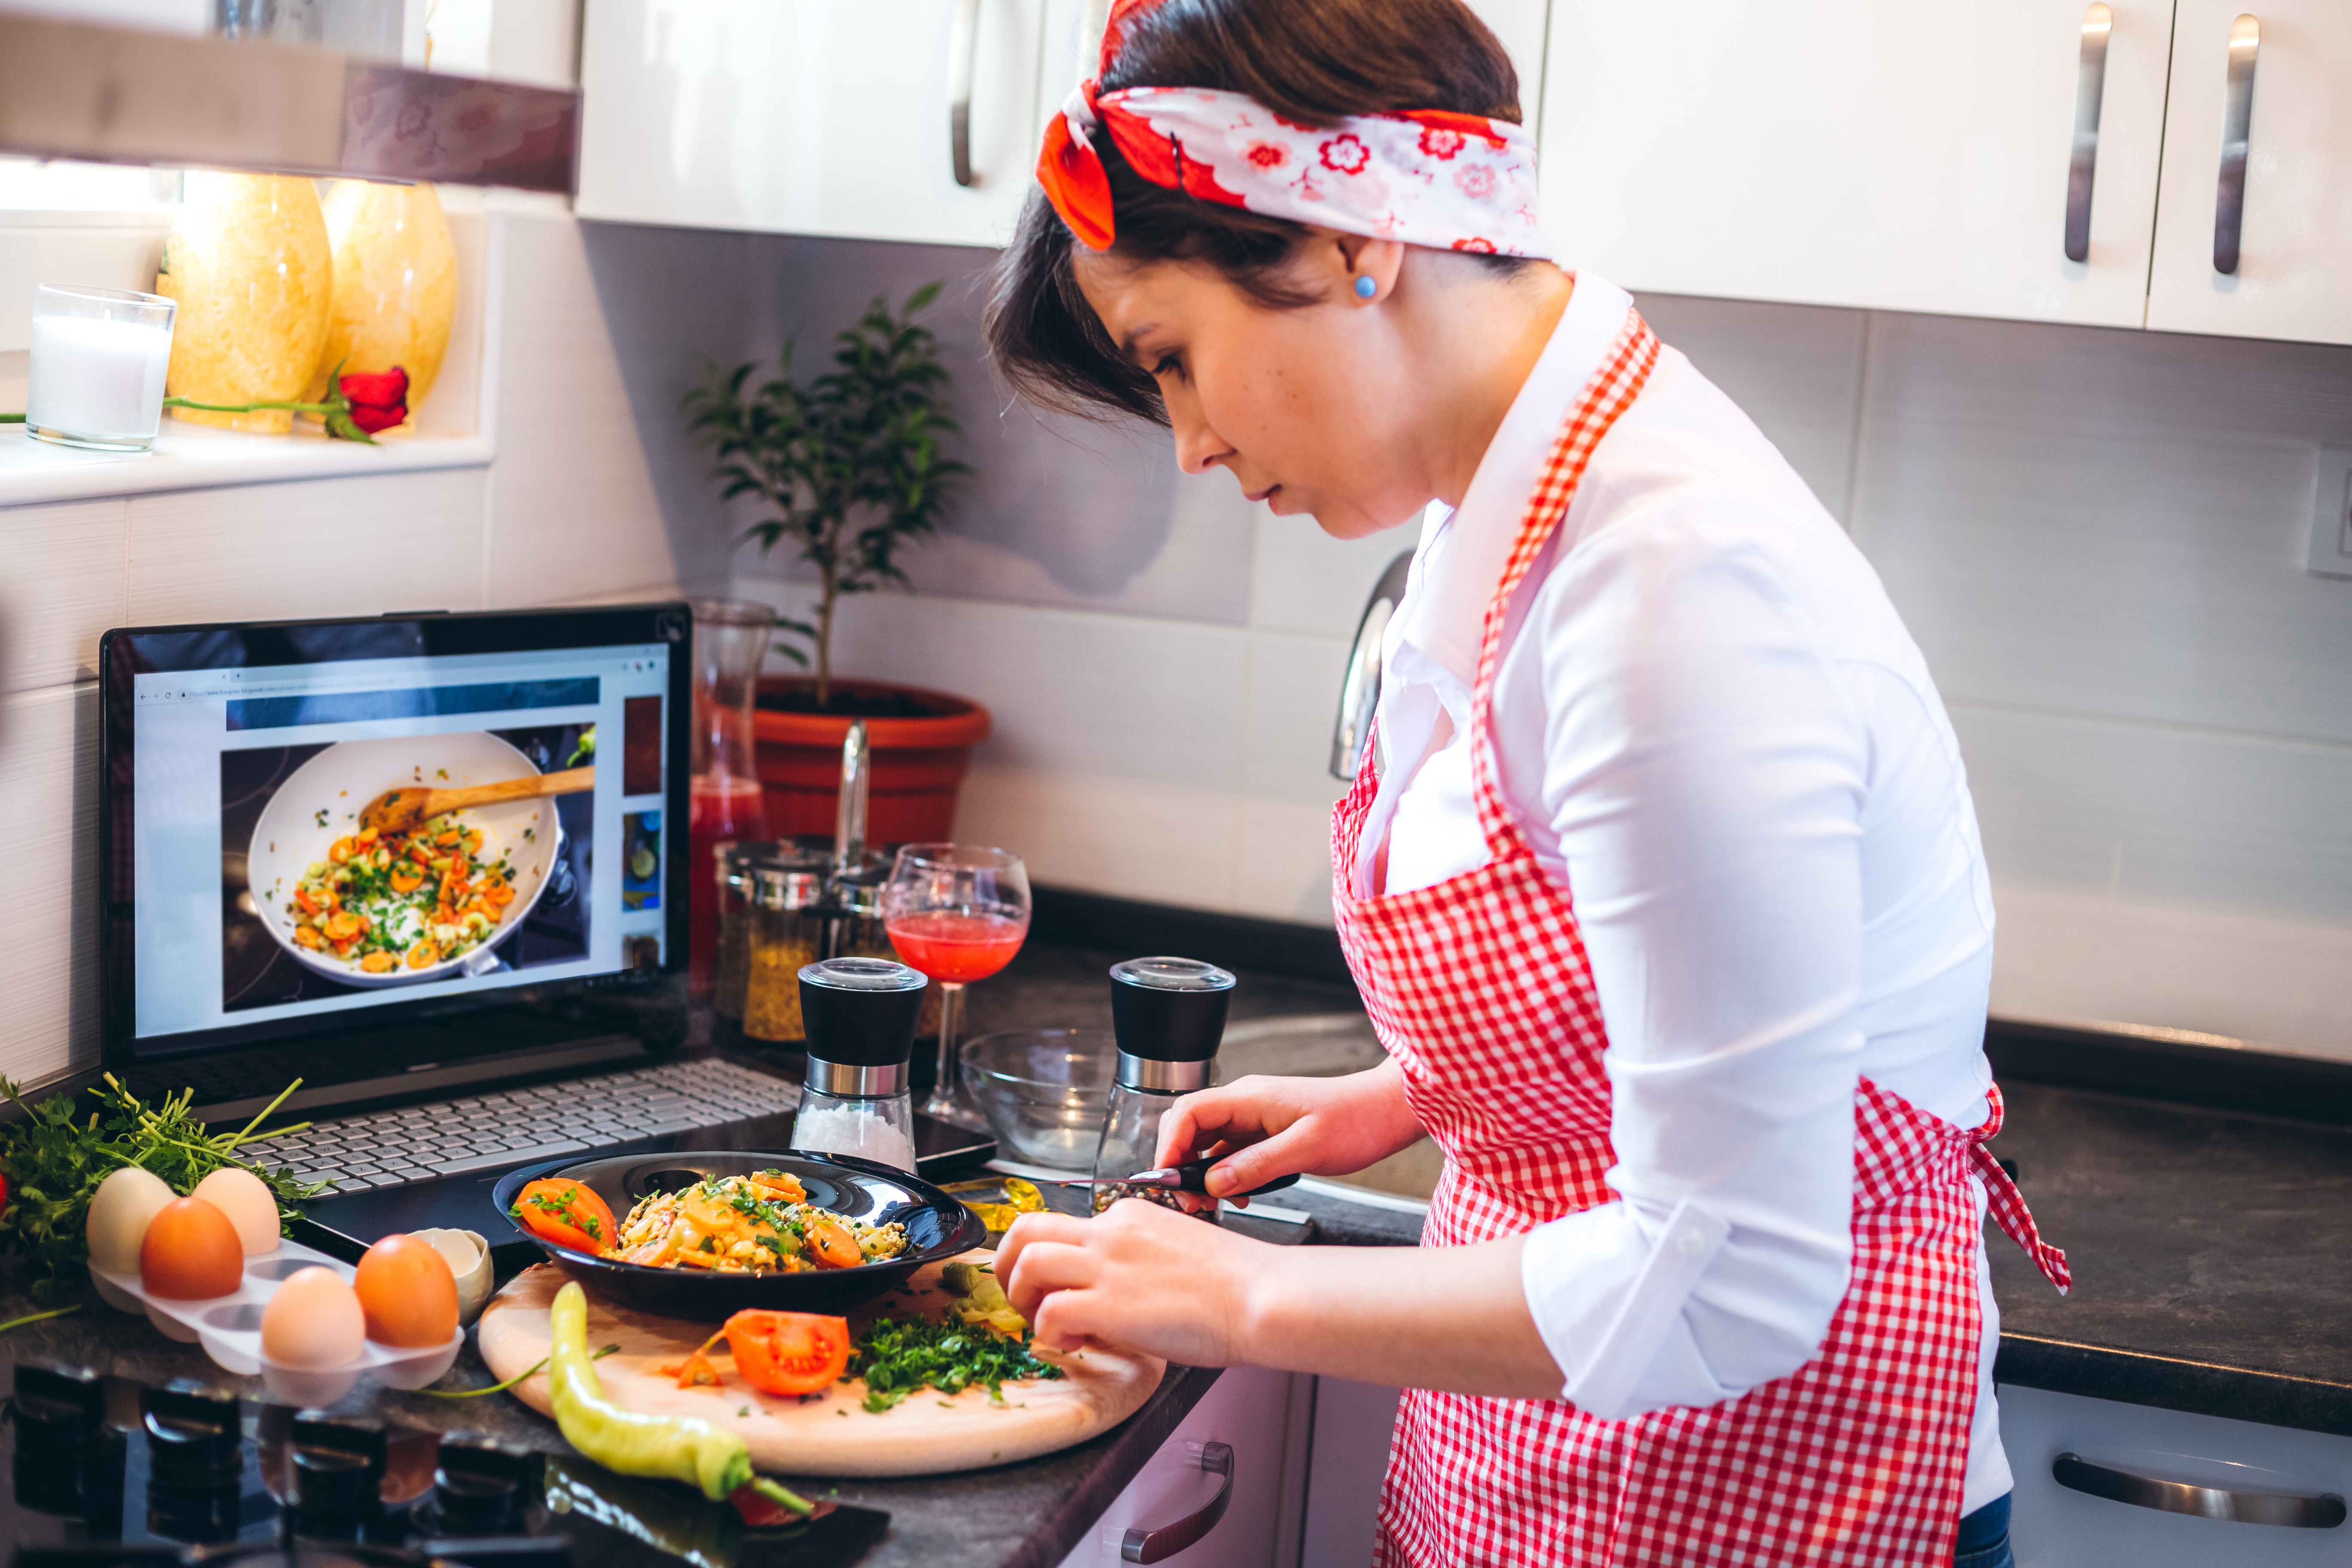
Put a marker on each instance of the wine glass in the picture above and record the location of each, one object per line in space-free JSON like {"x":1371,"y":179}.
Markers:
{"x":958,"y":913}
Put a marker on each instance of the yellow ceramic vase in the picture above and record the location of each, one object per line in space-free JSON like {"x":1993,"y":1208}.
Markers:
{"x":250,"y":268}
{"x":396,"y":285}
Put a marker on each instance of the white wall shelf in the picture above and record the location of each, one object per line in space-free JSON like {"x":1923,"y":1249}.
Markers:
{"x":192,"y":456}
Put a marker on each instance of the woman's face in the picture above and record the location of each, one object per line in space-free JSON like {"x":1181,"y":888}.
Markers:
{"x":1312,"y":409}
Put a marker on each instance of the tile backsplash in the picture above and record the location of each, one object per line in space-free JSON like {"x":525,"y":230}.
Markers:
{"x":2097,"y":537}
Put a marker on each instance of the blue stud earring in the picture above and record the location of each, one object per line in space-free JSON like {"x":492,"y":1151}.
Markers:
{"x":1366,"y":288}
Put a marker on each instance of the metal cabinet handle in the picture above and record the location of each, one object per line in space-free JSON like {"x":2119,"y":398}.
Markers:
{"x":1359,"y":696}
{"x":2237,"y":122}
{"x":1152,"y":1545}
{"x":2325,"y":1512}
{"x":2090,"y":88}
{"x":963,"y":61}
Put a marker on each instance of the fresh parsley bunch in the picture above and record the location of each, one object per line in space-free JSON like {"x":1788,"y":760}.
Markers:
{"x":52,"y":1163}
{"x":898,"y":1357}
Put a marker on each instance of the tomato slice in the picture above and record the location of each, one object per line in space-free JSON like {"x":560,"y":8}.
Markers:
{"x":789,"y":1352}
{"x":566,"y":1213}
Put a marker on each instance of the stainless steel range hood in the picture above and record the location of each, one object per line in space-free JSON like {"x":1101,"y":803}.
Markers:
{"x":116,"y":95}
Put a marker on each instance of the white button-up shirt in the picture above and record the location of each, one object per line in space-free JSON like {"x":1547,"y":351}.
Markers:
{"x":1712,"y":727}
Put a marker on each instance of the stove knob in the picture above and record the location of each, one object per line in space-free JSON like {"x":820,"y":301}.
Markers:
{"x":193,"y":1438}
{"x":339,"y":1462}
{"x":482,"y":1484}
{"x":60,"y":1412}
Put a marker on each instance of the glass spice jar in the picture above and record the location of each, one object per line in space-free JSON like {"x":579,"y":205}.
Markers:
{"x":787,"y":921}
{"x":858,"y":932}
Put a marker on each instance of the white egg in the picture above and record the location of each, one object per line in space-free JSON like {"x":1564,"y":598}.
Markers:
{"x":119,"y":1212}
{"x":243,"y":1196}
{"x":313,"y":1321}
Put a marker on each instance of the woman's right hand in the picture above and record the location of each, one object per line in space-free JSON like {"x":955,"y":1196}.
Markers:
{"x":1315,"y":1126}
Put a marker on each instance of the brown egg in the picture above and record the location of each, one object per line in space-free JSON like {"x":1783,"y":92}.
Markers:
{"x":407,"y":1293}
{"x":191,"y":1252}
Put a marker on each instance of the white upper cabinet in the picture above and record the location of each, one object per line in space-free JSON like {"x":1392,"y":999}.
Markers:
{"x":835,"y":117}
{"x":1901,"y":156}
{"x":2258,"y":151}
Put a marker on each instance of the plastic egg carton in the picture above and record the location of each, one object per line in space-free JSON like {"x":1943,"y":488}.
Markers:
{"x":229,"y":1329}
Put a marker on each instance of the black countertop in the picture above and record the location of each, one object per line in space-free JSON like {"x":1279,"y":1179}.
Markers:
{"x":2202,"y":1247}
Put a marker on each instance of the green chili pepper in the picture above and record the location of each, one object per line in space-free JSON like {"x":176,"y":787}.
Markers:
{"x":669,"y":1447}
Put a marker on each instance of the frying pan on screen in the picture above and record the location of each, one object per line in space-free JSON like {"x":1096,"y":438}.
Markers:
{"x":290,"y":837}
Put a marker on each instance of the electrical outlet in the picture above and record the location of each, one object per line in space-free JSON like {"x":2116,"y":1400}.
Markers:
{"x":2331,"y":514}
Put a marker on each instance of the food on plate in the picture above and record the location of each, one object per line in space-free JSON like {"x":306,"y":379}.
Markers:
{"x":758,"y":1224}
{"x":407,"y":1293}
{"x":980,"y":1301}
{"x":314,"y":1322}
{"x":384,"y":900}
{"x":190,"y":1253}
{"x":247,"y":1202}
{"x":566,"y":1213}
{"x":120,"y":1212}
{"x":898,"y":1356}
{"x":789,"y":1352}
{"x":669,"y":1447}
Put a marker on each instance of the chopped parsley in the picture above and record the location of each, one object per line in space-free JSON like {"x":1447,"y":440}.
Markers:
{"x":896,"y":1358}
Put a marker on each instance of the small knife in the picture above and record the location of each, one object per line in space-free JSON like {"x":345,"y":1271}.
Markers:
{"x":1191,"y":1176}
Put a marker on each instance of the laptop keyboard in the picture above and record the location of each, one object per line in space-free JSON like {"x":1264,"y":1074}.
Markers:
{"x":514,"y":1127}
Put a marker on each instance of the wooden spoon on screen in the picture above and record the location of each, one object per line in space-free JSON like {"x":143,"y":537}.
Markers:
{"x":402,"y":810}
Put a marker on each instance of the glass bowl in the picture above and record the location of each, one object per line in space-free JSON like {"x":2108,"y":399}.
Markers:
{"x":1044,"y":1091}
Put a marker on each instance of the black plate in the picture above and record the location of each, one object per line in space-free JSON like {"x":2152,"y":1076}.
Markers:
{"x":937,"y":1226}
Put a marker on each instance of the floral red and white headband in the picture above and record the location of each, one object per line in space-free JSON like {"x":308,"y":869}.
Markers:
{"x":1423,"y":176}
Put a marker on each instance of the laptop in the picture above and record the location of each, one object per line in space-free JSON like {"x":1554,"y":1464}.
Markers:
{"x":481,"y":986}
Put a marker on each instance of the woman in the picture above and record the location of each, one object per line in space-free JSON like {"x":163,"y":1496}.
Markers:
{"x":1666,"y":898}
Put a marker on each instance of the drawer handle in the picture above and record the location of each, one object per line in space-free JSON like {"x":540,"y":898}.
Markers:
{"x":2237,"y":129}
{"x":2325,"y":1512}
{"x":964,"y":62}
{"x":1152,"y":1545}
{"x":2090,"y":88}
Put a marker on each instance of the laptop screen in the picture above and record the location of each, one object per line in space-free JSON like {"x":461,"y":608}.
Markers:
{"x":531,"y":849}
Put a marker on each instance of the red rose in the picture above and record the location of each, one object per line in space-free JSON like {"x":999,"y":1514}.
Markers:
{"x":1346,"y":153}
{"x":379,"y":399}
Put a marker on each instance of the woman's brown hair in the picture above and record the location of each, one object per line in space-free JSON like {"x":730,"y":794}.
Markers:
{"x":1313,"y":61}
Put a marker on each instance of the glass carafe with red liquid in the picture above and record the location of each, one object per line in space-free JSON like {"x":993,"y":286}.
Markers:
{"x":731,"y":640}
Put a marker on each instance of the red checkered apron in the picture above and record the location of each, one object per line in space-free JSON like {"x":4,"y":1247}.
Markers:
{"x":1480,"y":989}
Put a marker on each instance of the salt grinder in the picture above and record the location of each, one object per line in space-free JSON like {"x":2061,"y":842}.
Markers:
{"x":1168,"y":1015}
{"x":860,"y":1017}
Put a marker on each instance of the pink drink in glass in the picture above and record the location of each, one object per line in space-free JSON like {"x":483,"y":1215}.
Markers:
{"x":956,"y":948}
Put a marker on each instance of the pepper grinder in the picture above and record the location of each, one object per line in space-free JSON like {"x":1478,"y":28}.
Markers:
{"x":859,"y":1013}
{"x":1169,"y":1017}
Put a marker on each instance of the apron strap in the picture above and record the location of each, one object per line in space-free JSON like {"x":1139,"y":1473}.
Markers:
{"x":2008,"y":1205}
{"x":1623,"y":372}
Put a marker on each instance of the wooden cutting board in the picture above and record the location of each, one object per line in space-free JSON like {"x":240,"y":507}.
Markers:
{"x":830,"y":1434}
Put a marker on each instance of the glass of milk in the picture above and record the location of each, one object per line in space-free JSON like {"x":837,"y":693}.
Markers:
{"x":97,"y":367}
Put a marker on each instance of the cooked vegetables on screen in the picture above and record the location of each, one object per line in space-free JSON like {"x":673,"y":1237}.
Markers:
{"x":384,"y":900}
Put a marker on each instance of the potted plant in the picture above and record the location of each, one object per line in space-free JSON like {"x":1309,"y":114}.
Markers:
{"x":850,"y":467}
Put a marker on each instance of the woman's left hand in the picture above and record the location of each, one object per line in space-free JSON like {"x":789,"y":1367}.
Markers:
{"x":1136,"y":1275}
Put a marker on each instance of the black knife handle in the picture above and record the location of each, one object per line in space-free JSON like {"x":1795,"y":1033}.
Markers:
{"x":1192,"y":1176}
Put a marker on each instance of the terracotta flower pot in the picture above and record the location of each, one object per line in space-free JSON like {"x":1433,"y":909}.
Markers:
{"x":919,"y":762}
